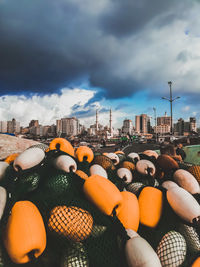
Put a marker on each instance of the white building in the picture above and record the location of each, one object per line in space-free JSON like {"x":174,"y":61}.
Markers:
{"x":13,"y":126}
{"x":36,"y":130}
{"x":162,"y":129}
{"x":68,"y":126}
{"x":127,"y":127}
{"x":3,"y":126}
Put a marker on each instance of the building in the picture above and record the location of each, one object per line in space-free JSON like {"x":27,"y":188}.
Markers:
{"x":36,"y":130}
{"x":142,"y":124}
{"x":3,"y":126}
{"x":193,"y":124}
{"x":127,"y":127}
{"x":185,"y":127}
{"x":68,"y":126}
{"x":162,"y":129}
{"x":179,"y":127}
{"x":58,"y":127}
{"x":165,"y":120}
{"x":163,"y":125}
{"x":13,"y":126}
{"x":33,"y":123}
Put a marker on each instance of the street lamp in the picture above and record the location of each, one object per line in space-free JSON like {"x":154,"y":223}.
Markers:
{"x":170,"y":99}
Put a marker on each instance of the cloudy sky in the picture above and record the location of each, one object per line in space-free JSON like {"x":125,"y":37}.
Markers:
{"x":70,"y":57}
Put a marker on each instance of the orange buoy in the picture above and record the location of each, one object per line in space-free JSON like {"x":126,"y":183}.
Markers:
{"x":128,"y":211}
{"x":196,"y":263}
{"x":63,"y":145}
{"x":82,"y":174}
{"x":11,"y":158}
{"x":151,"y":206}
{"x":128,"y":165}
{"x":84,"y":152}
{"x":25,"y":233}
{"x":103,"y":193}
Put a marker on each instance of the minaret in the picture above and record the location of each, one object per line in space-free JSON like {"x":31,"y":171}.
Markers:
{"x":97,"y":121}
{"x":110,"y":121}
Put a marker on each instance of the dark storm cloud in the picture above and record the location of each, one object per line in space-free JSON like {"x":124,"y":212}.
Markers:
{"x":40,"y":46}
{"x":46,"y":45}
{"x":128,"y":16}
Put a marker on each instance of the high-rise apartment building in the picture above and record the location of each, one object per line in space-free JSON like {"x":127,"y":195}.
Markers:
{"x":3,"y":126}
{"x":68,"y":126}
{"x":13,"y":126}
{"x":163,"y":124}
{"x":127,"y":126}
{"x":165,"y":120}
{"x":185,"y":127}
{"x":33,"y":123}
{"x":142,"y":124}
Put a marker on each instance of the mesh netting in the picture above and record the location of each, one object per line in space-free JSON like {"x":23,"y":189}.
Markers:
{"x":191,"y":237}
{"x":184,"y":165}
{"x":72,"y":222}
{"x":195,"y":171}
{"x":135,"y":187}
{"x":42,"y":146}
{"x":172,"y":249}
{"x":103,"y":161}
{"x":75,"y":255}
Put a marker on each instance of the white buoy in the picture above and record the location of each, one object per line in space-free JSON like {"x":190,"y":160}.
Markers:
{"x":169,"y":184}
{"x":187,"y":181}
{"x":97,"y":169}
{"x":3,"y":199}
{"x":125,"y":174}
{"x":28,"y":159}
{"x":150,"y":153}
{"x":114,"y":157}
{"x":145,"y":167}
{"x":139,"y":253}
{"x":183,"y":203}
{"x":3,"y":167}
{"x":134,"y":156}
{"x":65,"y":163}
{"x":131,"y":233}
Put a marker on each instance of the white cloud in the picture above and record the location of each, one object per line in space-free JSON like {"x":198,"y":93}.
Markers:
{"x":46,"y":108}
{"x":186,"y":108}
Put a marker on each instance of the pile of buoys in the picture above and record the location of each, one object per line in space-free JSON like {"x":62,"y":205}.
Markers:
{"x":67,"y":207}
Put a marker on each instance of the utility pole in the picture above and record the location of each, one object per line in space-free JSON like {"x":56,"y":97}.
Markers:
{"x":170,"y":99}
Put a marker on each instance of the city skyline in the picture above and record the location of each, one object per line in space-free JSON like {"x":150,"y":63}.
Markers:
{"x":141,"y":123}
{"x":121,"y":57}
